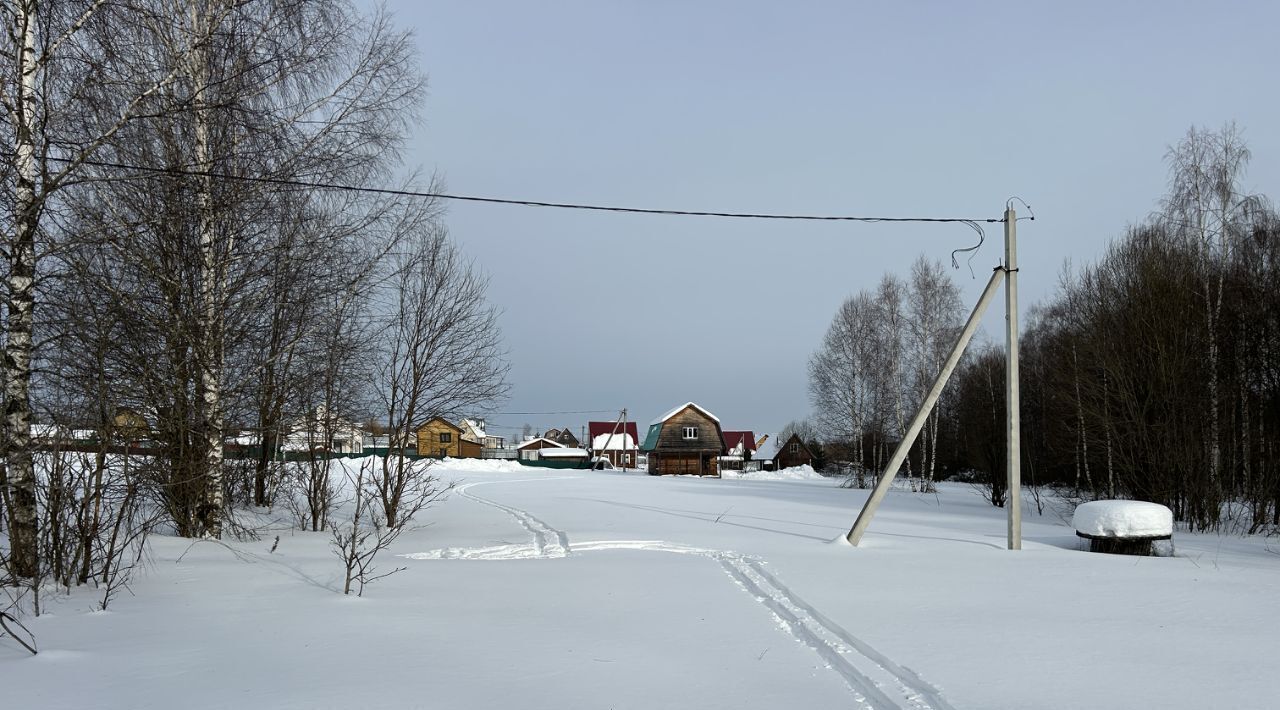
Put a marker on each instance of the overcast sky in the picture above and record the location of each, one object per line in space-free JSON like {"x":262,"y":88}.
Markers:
{"x":883,"y":109}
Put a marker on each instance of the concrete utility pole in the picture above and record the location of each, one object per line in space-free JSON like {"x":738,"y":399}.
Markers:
{"x":904,"y":446}
{"x":1013,"y":432}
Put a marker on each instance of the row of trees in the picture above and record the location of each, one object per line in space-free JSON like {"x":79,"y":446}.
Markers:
{"x":166,"y":256}
{"x":1153,"y":373}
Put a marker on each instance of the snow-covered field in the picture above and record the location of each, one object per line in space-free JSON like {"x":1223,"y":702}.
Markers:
{"x":564,"y":589}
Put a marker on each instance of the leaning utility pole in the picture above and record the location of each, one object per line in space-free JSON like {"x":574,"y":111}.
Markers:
{"x":1009,"y":270}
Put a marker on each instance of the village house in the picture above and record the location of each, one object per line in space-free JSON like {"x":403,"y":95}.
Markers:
{"x":531,"y":450}
{"x":440,"y":438}
{"x":322,"y":430}
{"x":793,"y":452}
{"x":740,"y":447}
{"x":563,"y":437}
{"x":616,"y":441}
{"x":686,"y":440}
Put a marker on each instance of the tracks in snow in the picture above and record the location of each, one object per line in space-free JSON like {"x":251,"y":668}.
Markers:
{"x":876,"y":680}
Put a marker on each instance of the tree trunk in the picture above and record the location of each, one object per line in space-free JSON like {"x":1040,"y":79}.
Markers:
{"x":20,"y":466}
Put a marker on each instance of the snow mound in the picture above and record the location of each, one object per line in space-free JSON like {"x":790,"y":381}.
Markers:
{"x":1123,"y":518}
{"x":795,"y":473}
{"x":482,"y":465}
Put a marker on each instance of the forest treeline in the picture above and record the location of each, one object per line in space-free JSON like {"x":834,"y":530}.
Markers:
{"x":1152,"y":373}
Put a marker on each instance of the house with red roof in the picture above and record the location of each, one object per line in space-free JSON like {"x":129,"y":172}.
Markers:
{"x":739,"y":446}
{"x":617,"y":441}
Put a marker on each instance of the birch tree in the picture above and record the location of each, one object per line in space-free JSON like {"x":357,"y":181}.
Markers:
{"x":66,"y":90}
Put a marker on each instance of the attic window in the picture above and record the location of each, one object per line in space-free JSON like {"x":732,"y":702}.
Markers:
{"x":446,"y":437}
{"x":795,"y":448}
{"x":691,"y":432}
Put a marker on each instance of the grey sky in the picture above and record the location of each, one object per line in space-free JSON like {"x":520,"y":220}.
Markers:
{"x":911,"y":109}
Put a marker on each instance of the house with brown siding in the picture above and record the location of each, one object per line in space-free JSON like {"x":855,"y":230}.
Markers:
{"x":438,"y":438}
{"x":686,"y":440}
{"x":793,"y":452}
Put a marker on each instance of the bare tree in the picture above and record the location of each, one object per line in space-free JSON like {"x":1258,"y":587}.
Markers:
{"x":441,"y":348}
{"x":935,"y":316}
{"x":366,"y":531}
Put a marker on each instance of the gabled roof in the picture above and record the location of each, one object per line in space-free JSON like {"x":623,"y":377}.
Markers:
{"x":733,"y":439}
{"x":544,"y":440}
{"x":677,"y":410}
{"x":441,"y":419}
{"x":595,"y":429}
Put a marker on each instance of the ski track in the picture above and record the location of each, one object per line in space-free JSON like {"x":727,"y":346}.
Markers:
{"x":876,"y":680}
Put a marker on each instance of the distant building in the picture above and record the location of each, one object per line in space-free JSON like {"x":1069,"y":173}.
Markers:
{"x":686,"y":440}
{"x":617,"y":441}
{"x":563,"y":437}
{"x":532,"y":449}
{"x":740,"y":447}
{"x":793,"y":452}
{"x":439,"y":437}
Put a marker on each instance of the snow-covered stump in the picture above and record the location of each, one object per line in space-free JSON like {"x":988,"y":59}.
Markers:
{"x":1125,"y":527}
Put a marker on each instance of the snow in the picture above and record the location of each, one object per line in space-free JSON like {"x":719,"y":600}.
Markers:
{"x":676,"y":411}
{"x":546,"y":590}
{"x":1123,"y":518}
{"x":795,"y":473}
{"x":545,"y":442}
{"x":563,"y":452}
{"x":620,"y":442}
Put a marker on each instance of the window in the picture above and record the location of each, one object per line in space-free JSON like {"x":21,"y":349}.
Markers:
{"x":626,"y":459}
{"x":795,"y":448}
{"x":446,"y":437}
{"x":691,"y":432}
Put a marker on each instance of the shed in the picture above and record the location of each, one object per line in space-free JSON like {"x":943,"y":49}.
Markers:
{"x":686,"y":440}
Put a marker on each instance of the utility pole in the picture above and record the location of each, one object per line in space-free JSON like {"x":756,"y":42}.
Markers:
{"x":1013,"y":433}
{"x":625,"y":452}
{"x":900,"y":454}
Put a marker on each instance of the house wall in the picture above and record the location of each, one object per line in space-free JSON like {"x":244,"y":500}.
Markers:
{"x":429,"y":443}
{"x":673,"y":454}
{"x":786,"y":458}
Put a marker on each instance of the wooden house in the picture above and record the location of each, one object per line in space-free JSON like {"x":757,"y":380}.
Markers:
{"x":793,"y":452}
{"x":439,"y":437}
{"x":686,"y":440}
{"x":564,"y":437}
{"x":531,"y":450}
{"x":617,"y":441}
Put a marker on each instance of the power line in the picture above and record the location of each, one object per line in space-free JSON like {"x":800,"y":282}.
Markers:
{"x":287,"y":182}
{"x":531,"y":414}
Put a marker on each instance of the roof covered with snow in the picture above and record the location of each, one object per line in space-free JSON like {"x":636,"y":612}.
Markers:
{"x":618,"y":442}
{"x":543,"y":441}
{"x":563,"y":453}
{"x":595,"y":429}
{"x":677,"y":410}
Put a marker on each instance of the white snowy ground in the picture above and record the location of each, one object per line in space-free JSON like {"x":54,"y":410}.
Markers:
{"x":552,"y":589}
